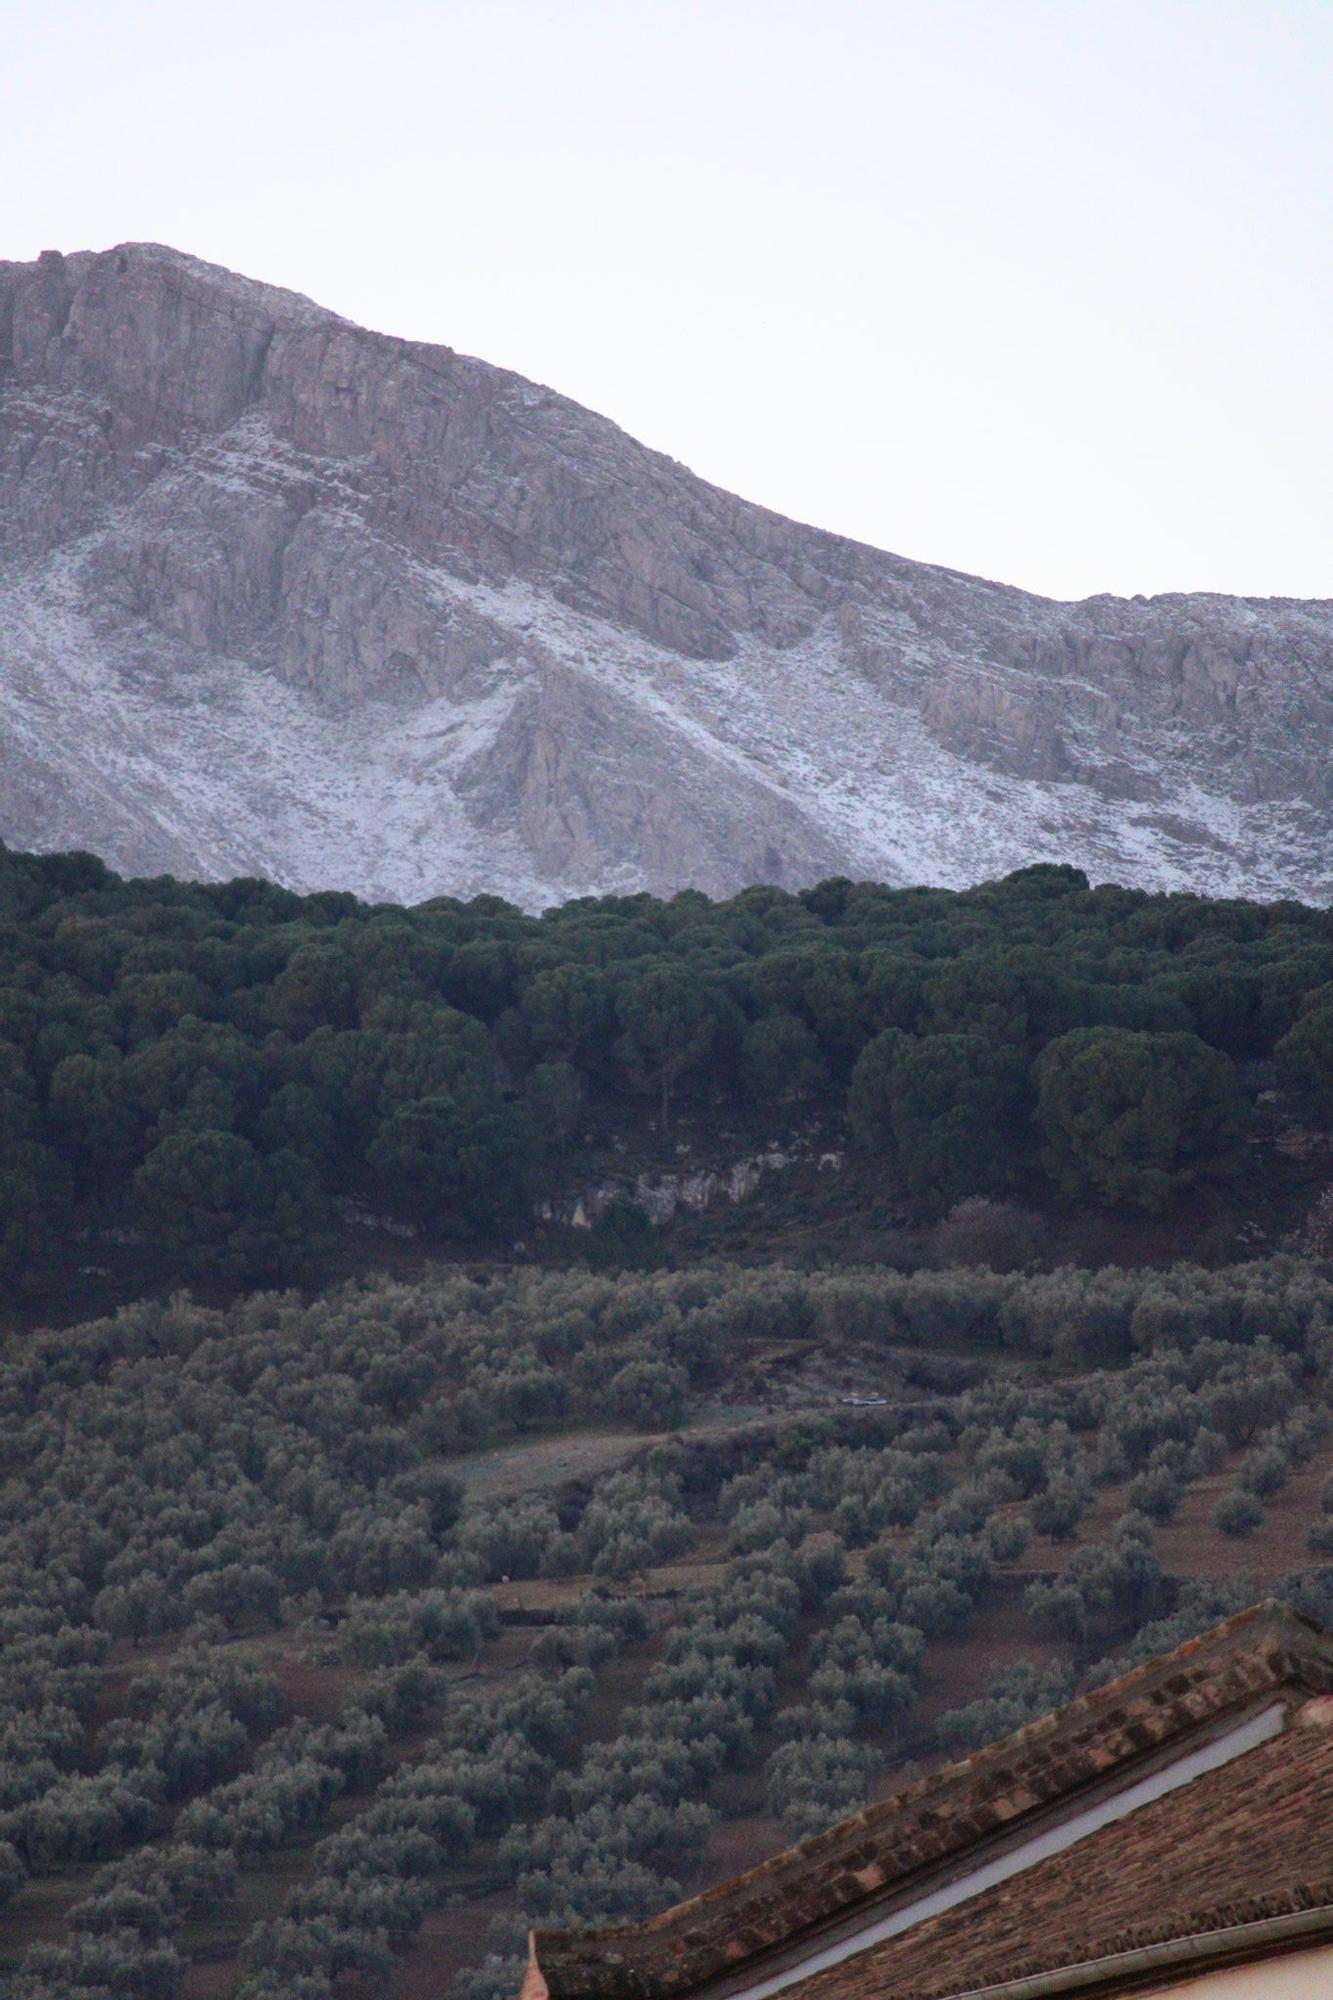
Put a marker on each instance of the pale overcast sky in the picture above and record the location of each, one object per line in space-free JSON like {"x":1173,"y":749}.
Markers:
{"x":1035,"y":288}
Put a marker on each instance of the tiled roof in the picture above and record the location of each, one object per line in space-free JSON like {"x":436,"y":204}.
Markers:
{"x":1250,"y":1840}
{"x":831,"y":1883}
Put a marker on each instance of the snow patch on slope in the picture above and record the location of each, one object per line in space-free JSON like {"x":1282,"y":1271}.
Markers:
{"x":224,"y":768}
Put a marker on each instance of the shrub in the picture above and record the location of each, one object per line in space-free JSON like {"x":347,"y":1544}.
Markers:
{"x":1238,"y":1513}
{"x":1104,"y":1593}
{"x":1157,"y":1492}
{"x":1014,"y":1696}
{"x":815,"y":1781}
{"x":1207,"y":1454}
{"x":649,"y":1394}
{"x":1057,"y":1512}
{"x":512,"y":1538}
{"x":1264,"y":1471}
{"x":1007,"y":1538}
{"x":1303,"y":1433}
{"x":997,"y":1234}
{"x":13,"y":1874}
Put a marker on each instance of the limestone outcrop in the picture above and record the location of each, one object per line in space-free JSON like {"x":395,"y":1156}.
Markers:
{"x":280,"y":595}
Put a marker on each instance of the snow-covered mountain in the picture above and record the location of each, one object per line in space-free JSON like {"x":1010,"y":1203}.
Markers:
{"x":280,"y":596}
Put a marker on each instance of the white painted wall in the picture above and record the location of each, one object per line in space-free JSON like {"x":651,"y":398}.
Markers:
{"x":1300,"y":1975}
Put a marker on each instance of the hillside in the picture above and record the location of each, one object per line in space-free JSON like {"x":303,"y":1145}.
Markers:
{"x":280,"y":596}
{"x":341,"y":1640}
{"x":716,"y":1358}
{"x":232,"y":1084}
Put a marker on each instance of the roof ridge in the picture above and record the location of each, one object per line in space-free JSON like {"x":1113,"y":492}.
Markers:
{"x":1267,"y":1645}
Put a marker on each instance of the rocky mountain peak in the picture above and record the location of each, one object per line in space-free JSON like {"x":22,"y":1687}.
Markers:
{"x":280,"y":595}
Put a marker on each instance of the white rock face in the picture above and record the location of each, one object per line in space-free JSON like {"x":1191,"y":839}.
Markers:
{"x":661,"y":1195}
{"x":279,"y":596}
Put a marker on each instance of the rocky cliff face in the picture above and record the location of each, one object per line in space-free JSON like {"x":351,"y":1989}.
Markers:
{"x":281,"y":596}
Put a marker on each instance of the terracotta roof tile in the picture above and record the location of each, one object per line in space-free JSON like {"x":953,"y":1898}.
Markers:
{"x":1251,"y":1839}
{"x":886,"y":1850}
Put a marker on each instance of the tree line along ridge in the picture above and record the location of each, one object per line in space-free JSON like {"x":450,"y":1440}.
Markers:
{"x":210,"y":1069}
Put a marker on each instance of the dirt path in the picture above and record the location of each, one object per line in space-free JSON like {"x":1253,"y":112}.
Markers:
{"x":542,"y":1462}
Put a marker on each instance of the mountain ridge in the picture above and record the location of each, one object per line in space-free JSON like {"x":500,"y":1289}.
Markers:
{"x":280,"y":595}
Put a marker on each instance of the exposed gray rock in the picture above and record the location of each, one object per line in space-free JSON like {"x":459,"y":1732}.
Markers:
{"x":662,"y":1195}
{"x":279,"y":595}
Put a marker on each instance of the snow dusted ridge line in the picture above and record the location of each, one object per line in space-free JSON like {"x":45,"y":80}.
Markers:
{"x":281,"y":597}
